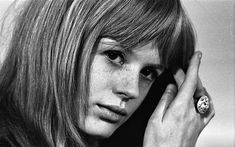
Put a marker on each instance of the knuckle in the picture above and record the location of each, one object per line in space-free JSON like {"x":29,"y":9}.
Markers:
{"x":179,"y":112}
{"x":154,"y":121}
{"x":170,"y":90}
{"x":184,"y":113}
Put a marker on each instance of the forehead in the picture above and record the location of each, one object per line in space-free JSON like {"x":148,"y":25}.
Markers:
{"x":148,"y":53}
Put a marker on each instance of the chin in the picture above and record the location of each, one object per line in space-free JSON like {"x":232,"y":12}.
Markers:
{"x":99,"y":128}
{"x":102,"y":134}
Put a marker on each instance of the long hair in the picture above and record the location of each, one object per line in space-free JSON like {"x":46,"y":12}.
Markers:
{"x":44,"y":79}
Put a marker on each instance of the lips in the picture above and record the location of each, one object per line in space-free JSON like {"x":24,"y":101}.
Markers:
{"x":111,"y":113}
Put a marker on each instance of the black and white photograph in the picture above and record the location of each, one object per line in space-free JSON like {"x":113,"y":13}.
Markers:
{"x":117,"y":73}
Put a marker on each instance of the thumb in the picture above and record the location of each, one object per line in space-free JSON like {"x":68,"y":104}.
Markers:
{"x":165,"y":101}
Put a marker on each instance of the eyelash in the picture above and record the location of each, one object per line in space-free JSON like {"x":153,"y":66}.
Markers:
{"x":115,"y":57}
{"x":149,"y":73}
{"x":118,"y":58}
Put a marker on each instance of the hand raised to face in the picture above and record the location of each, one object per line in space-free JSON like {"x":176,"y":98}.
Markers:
{"x":175,"y":121}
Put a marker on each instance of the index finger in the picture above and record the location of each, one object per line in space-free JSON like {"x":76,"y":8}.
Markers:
{"x":190,"y":83}
{"x":200,"y":90}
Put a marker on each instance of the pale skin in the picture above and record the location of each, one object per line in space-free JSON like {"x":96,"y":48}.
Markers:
{"x":120,"y":80}
{"x":175,"y":121}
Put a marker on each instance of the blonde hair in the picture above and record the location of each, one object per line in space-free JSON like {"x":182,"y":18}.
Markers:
{"x":44,"y":80}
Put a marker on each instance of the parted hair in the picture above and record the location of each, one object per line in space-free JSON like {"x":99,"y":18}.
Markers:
{"x":44,"y":78}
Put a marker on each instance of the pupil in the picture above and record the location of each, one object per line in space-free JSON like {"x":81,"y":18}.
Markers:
{"x":112,"y":56}
{"x":146,"y":72}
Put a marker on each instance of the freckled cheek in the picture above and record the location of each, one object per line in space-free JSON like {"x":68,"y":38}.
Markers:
{"x":100,"y":75}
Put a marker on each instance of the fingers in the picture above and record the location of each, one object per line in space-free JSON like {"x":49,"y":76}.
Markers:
{"x":165,"y":100}
{"x":191,"y":78}
{"x":187,"y":84}
{"x":200,"y":90}
{"x":179,"y":77}
{"x":189,"y":87}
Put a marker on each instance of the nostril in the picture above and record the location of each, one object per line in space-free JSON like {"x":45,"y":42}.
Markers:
{"x":125,"y":100}
{"x":124,"y":96}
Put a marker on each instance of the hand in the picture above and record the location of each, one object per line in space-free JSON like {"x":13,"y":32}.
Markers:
{"x":175,"y":122}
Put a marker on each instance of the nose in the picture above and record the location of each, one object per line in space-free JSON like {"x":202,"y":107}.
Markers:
{"x":127,"y":85}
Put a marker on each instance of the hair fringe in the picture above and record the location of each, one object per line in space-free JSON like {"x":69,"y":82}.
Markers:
{"x":44,"y":78}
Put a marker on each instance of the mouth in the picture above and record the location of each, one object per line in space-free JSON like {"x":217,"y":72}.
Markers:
{"x":111,"y":113}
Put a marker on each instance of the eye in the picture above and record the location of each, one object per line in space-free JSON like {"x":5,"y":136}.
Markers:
{"x":115,"y":57}
{"x":150,"y":73}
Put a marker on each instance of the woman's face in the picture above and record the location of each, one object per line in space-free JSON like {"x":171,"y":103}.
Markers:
{"x":119,"y":81}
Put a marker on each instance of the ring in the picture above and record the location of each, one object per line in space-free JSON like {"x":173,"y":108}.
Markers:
{"x":203,"y":104}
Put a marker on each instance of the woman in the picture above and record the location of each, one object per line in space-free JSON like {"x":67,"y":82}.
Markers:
{"x":76,"y":70}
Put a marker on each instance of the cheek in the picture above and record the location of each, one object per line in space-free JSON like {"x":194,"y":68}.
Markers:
{"x":103,"y":78}
{"x":99,"y":76}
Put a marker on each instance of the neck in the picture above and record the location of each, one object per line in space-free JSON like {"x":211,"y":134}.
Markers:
{"x":90,"y":141}
{"x":93,"y":142}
